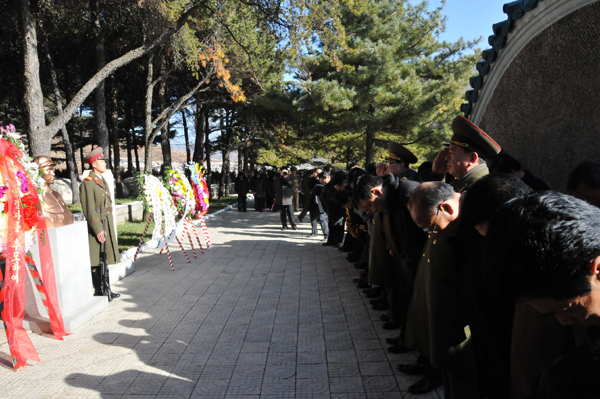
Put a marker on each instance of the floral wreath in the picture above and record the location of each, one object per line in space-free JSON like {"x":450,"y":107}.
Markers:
{"x":200,"y":187}
{"x":157,"y":200}
{"x":21,"y":220}
{"x":29,"y":173}
{"x":181,"y":192}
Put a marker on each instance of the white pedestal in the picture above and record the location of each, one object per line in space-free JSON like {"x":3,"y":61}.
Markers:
{"x":70,"y":254}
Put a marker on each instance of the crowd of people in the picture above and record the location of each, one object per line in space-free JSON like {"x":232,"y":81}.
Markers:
{"x":490,"y":277}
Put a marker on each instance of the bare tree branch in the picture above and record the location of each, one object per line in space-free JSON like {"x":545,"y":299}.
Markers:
{"x":112,"y":66}
{"x":175,"y":108}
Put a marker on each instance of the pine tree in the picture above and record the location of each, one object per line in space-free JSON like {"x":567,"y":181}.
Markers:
{"x":386,"y":77}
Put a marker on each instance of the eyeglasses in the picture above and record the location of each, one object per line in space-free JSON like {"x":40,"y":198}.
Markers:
{"x":431,"y":228}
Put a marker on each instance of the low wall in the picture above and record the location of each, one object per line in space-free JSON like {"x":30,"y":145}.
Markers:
{"x":134,"y":211}
{"x":214,"y":190}
{"x":130,"y":212}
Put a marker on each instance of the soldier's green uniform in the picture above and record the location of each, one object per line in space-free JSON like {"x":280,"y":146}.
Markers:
{"x":477,"y":173}
{"x":380,"y":261}
{"x":97,"y":207}
{"x":446,"y":285}
{"x":436,"y":323}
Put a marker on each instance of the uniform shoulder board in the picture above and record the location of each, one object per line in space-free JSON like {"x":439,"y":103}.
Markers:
{"x":89,"y":178}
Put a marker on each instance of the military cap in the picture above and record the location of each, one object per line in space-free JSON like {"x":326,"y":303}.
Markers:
{"x":94,"y":155}
{"x":44,"y":161}
{"x":472,"y":138}
{"x":400,"y":153}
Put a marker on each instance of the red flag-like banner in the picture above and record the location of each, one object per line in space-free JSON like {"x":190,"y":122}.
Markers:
{"x":24,"y":213}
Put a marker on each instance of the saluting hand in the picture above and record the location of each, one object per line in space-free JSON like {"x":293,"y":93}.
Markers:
{"x":440,"y":163}
{"x":101,"y":237}
{"x":381,"y":169}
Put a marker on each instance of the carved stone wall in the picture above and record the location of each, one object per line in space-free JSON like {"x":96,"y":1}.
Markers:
{"x":545,"y":109}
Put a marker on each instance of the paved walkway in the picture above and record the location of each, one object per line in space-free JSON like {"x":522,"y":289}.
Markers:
{"x":264,"y":314}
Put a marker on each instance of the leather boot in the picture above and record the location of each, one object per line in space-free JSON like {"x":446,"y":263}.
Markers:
{"x":97,"y":281}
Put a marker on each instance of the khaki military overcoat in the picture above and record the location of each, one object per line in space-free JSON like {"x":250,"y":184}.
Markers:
{"x":97,"y":207}
{"x":435,"y":325}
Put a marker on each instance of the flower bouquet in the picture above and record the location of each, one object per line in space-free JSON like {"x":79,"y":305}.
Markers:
{"x":157,"y":200}
{"x":200,"y":187}
{"x":181,"y":192}
{"x":202,"y":194}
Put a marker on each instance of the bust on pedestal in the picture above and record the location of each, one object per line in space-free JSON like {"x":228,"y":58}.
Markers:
{"x":70,"y":255}
{"x":55,"y":210}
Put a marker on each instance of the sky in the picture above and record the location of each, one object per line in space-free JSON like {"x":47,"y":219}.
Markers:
{"x":471,"y":19}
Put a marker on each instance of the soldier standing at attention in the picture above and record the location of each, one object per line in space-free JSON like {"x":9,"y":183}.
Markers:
{"x":97,"y":208}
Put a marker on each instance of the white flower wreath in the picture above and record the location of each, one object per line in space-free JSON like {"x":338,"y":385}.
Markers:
{"x":161,"y":205}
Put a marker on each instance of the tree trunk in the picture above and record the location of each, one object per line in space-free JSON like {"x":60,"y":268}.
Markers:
{"x":165,"y":146}
{"x":165,"y":139}
{"x":188,"y":153}
{"x":69,"y":155}
{"x":161,"y":122}
{"x":207,"y":142}
{"x":73,"y":155}
{"x":129,"y":140}
{"x":200,"y":134}
{"x":349,"y":157}
{"x":148,"y":116}
{"x":99,"y":94}
{"x":251,"y":161}
{"x":370,"y":145}
{"x":33,"y":98}
{"x":114,"y":125}
{"x":245,"y":161}
{"x":40,"y":135}
{"x":227,"y":134}
{"x":135,"y":152}
{"x":221,"y":190}
{"x":240,"y":150}
{"x":227,"y":154}
{"x":81,"y":156}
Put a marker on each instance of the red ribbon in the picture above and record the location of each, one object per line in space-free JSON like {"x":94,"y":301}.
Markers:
{"x":15,"y":275}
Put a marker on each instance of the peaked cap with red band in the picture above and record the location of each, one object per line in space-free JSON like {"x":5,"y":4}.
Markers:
{"x":94,"y":155}
{"x":472,"y":138}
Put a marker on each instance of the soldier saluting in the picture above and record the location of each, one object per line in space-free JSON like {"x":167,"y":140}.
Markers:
{"x":97,"y":208}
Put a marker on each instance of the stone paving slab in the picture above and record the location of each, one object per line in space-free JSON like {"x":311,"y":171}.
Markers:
{"x":263,"y":314}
